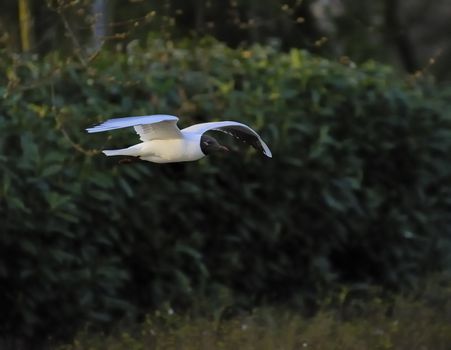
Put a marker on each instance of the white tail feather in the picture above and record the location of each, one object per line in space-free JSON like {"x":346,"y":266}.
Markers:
{"x":129,"y":151}
{"x":114,"y":152}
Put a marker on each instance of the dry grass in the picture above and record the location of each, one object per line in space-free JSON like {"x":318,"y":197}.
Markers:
{"x":410,"y":325}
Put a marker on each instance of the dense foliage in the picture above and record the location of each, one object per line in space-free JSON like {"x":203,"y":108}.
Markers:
{"x":388,"y":31}
{"x":357,"y":191}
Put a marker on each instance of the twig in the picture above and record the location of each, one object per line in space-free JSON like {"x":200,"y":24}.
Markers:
{"x":59,"y":125}
{"x":78,"y":147}
{"x":78,"y":49}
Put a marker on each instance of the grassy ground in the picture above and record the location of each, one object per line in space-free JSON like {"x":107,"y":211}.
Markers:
{"x":409,"y":325}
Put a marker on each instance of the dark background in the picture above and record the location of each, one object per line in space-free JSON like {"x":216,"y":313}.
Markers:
{"x":410,"y":35}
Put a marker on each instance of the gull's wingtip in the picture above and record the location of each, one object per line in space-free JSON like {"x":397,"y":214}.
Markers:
{"x":266,"y":151}
{"x":93,"y":129}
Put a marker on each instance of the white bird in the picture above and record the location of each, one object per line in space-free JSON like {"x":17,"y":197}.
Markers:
{"x":164,"y":142}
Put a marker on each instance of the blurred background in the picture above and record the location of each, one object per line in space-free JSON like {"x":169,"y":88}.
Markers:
{"x":352,"y":98}
{"x":410,"y":36}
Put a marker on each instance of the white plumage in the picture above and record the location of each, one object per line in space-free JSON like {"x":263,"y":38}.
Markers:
{"x":164,"y":142}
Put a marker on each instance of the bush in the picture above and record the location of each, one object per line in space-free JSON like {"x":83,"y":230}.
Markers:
{"x":357,"y":191}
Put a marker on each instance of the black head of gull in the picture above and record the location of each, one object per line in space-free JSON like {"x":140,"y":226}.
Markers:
{"x":210,"y":145}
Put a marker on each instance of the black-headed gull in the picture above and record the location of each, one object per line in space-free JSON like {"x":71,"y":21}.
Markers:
{"x":164,"y":142}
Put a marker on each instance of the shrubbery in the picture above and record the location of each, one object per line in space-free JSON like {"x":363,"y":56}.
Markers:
{"x":357,"y":192}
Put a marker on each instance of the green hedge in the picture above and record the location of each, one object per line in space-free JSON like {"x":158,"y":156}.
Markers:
{"x":357,"y":192}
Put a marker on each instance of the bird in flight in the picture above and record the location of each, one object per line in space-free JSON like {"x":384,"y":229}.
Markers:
{"x":164,"y":142}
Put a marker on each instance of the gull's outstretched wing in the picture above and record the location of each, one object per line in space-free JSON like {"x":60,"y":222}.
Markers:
{"x":237,"y":130}
{"x":149,"y":127}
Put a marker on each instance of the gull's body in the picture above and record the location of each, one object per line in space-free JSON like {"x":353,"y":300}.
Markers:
{"x":164,"y":142}
{"x":164,"y":151}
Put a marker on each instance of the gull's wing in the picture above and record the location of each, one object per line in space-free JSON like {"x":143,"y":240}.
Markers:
{"x":237,"y":130}
{"x":149,"y":127}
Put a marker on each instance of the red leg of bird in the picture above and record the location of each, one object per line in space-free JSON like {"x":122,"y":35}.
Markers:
{"x":129,"y":160}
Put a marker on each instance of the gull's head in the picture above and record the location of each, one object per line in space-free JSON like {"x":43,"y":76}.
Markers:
{"x":210,"y":145}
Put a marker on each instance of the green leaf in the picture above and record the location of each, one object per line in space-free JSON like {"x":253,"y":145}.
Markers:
{"x":56,"y":200}
{"x":51,"y":170}
{"x":126,"y":187}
